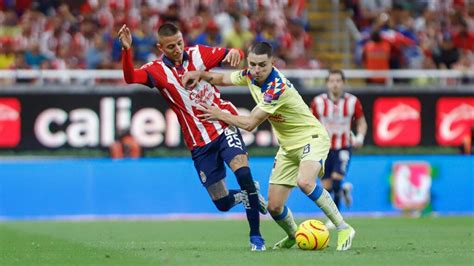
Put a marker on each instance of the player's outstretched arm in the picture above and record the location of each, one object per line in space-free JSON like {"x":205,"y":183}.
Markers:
{"x":249,"y":123}
{"x":130,"y":74}
{"x":191,"y":78}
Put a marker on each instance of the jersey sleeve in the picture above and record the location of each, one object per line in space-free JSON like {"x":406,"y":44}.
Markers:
{"x":130,"y":74}
{"x":212,"y":56}
{"x":239,"y":78}
{"x":358,"y":112}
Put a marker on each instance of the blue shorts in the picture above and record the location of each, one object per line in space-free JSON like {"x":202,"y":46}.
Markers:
{"x":337,"y":161}
{"x":209,"y":159}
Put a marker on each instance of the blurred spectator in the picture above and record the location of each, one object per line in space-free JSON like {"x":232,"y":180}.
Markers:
{"x":210,"y":36}
{"x":7,"y":55}
{"x":445,"y":54}
{"x":370,"y":10}
{"x":376,"y":56}
{"x":296,"y":45}
{"x":239,"y":37}
{"x":268,"y":33}
{"x":125,"y":146}
{"x":463,"y":39}
{"x":34,"y":58}
{"x":97,"y":53}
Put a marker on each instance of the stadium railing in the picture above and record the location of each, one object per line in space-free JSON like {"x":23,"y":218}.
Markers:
{"x":438,"y":77}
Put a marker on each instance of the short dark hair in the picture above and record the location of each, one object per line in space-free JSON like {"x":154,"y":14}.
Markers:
{"x":336,"y":71}
{"x":167,"y":29}
{"x":261,"y":48}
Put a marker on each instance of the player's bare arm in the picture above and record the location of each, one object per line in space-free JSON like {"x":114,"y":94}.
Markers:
{"x":249,"y":123}
{"x":191,"y":78}
{"x":361,"y":126}
{"x":125,"y":37}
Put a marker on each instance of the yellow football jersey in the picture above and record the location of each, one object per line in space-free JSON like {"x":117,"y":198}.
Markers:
{"x":290,"y":117}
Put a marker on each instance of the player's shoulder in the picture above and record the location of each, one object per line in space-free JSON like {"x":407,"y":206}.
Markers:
{"x":350,"y":96}
{"x":204,"y":49}
{"x":152,"y":64}
{"x":321,"y":96}
{"x":275,"y":86}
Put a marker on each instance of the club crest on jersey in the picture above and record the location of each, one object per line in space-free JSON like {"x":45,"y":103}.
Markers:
{"x":203,"y":177}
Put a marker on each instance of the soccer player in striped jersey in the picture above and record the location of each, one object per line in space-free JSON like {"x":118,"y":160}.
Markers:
{"x":338,"y":111}
{"x":211,"y":142}
{"x":304,"y":143}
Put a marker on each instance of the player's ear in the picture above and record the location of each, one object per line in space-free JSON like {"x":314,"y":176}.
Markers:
{"x":158,"y":45}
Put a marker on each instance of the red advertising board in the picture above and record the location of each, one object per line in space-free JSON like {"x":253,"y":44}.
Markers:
{"x":10,"y":122}
{"x":454,"y":120}
{"x":397,"y":121}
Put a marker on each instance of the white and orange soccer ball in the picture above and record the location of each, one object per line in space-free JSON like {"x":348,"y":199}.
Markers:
{"x":312,"y":235}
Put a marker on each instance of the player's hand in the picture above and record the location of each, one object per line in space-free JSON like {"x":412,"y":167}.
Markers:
{"x":191,"y":79}
{"x":233,"y":57}
{"x":357,"y":141}
{"x":210,"y":113}
{"x":125,"y":37}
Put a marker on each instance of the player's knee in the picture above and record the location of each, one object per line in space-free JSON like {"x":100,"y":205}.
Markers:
{"x":223,"y":204}
{"x":274,"y":209}
{"x":336,"y":176}
{"x":305,"y":185}
{"x":245,"y":180}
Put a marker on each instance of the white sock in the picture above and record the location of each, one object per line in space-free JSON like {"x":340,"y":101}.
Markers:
{"x":288,"y":224}
{"x":326,"y":203}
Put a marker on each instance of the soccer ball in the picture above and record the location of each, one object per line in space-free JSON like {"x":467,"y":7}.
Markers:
{"x":312,"y":235}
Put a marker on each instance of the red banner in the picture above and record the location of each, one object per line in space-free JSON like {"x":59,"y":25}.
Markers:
{"x":454,"y":120}
{"x":10,"y":122}
{"x":397,"y":121}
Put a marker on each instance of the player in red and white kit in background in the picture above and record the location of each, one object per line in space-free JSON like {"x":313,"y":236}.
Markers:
{"x":338,"y":110}
{"x":211,"y":142}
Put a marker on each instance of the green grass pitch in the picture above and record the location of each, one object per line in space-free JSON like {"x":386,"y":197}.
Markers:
{"x":379,"y":241}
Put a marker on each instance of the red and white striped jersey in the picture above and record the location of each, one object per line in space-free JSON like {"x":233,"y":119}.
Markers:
{"x":166,"y":77}
{"x":337,"y":117}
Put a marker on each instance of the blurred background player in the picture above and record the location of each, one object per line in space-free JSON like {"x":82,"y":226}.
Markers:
{"x":211,"y":143}
{"x":125,"y":146}
{"x":304,"y":143}
{"x":337,"y":111}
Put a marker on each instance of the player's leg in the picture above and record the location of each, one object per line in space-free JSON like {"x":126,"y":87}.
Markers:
{"x":277,"y":197}
{"x":282,"y":181}
{"x":336,"y":179}
{"x":344,"y":158}
{"x":211,"y":171}
{"x":310,"y":167}
{"x":233,"y":152}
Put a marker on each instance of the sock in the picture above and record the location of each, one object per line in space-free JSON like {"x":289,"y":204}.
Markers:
{"x":286,"y":221}
{"x":250,"y":199}
{"x":323,"y":199}
{"x":336,"y":186}
{"x":226,"y":203}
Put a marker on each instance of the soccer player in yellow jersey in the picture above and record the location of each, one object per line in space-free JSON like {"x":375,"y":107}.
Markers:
{"x":304,"y":143}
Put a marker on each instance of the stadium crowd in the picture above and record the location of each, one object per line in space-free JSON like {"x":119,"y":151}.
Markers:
{"x":82,"y":34}
{"x":396,"y":34}
{"x":422,"y":34}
